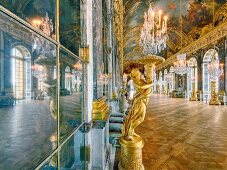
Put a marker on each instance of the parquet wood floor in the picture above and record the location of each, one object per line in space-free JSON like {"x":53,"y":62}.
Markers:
{"x":184,"y":135}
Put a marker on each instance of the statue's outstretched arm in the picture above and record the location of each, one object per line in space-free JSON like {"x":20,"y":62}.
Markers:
{"x":143,"y":85}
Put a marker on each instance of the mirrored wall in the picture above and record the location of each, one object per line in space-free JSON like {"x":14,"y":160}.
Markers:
{"x":41,"y":92}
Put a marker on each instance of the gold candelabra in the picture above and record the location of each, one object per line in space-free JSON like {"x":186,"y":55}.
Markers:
{"x":214,"y":97}
{"x":131,"y":143}
{"x":193,"y":93}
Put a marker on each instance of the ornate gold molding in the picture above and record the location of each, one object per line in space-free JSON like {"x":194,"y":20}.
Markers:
{"x":118,"y":28}
{"x":84,"y":54}
{"x":100,"y":109}
{"x":212,"y":37}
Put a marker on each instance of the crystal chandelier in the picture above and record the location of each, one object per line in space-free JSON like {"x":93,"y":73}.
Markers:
{"x":154,"y":32}
{"x":180,"y":66}
{"x":40,"y":44}
{"x":214,"y":69}
{"x":44,"y":24}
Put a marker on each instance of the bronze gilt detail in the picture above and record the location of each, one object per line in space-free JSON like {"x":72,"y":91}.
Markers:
{"x":208,"y":39}
{"x":131,"y":143}
{"x":118,"y":28}
{"x":200,"y":38}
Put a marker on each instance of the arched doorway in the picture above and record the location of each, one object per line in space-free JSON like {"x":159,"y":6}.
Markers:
{"x":192,"y":80}
{"x":21,"y":72}
{"x":159,"y":87}
{"x":68,"y":78}
{"x":166,"y":82}
{"x":210,"y":55}
{"x":172,"y":79}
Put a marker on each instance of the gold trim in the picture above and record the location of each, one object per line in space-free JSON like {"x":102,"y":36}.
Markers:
{"x":84,"y":54}
{"x":151,"y":60}
{"x":211,"y":37}
{"x":100,"y":109}
{"x":131,"y":154}
{"x":119,"y":30}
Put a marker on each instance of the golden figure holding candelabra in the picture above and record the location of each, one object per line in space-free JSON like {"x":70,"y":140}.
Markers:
{"x":131,"y":143}
{"x":138,"y":110}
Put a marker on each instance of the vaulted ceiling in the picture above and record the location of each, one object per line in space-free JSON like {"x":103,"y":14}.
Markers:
{"x":196,"y":14}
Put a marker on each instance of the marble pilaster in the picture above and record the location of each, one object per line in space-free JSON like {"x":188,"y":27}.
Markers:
{"x":1,"y":62}
{"x":98,"y":65}
{"x":100,"y":145}
{"x":110,"y":46}
{"x":87,"y":41}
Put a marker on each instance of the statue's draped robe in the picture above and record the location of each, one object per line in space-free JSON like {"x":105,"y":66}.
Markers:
{"x":138,"y":110}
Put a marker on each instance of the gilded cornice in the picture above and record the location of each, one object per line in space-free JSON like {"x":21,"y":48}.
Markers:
{"x":210,"y":38}
{"x":221,"y":13}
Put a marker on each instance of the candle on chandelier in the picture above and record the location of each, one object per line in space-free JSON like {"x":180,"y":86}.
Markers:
{"x":152,"y":14}
{"x":159,"y":18}
{"x":165,"y":18}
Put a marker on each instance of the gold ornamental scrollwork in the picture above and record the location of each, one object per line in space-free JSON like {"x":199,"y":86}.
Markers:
{"x":118,"y":28}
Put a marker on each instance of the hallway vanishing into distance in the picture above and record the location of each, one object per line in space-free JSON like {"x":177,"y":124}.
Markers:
{"x":183,"y":135}
{"x":113,"y":85}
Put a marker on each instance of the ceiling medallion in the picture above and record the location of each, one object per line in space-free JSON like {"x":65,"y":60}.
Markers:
{"x":154,"y":32}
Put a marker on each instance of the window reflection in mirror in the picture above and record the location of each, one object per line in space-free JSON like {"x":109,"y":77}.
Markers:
{"x":28,"y":111}
{"x":71,"y":93}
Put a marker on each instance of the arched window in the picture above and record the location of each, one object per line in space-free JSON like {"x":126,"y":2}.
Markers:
{"x":206,"y":77}
{"x":21,"y":72}
{"x":68,"y":78}
{"x":18,"y":73}
{"x":192,"y":75}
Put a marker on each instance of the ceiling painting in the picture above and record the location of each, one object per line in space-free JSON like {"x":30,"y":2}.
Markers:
{"x":195,"y":15}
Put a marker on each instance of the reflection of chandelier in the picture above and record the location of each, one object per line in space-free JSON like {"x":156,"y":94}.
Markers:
{"x":154,"y":32}
{"x":180,"y":66}
{"x":215,"y":70}
{"x":40,"y":45}
{"x":44,"y":24}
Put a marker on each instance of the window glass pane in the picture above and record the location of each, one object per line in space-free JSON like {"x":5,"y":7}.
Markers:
{"x":72,"y":154}
{"x":71,"y":93}
{"x":28,"y":124}
{"x":70,"y":29}
{"x":51,"y":164}
{"x":38,"y":13}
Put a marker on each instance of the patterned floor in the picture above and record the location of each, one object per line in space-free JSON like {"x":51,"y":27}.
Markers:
{"x":26,"y":130}
{"x":184,"y":135}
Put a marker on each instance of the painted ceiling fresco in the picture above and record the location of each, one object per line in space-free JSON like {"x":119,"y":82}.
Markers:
{"x":195,"y":15}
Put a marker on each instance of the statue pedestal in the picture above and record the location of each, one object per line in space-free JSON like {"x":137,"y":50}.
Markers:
{"x":131,"y":154}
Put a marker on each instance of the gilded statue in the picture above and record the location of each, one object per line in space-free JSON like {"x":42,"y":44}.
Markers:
{"x":137,"y":111}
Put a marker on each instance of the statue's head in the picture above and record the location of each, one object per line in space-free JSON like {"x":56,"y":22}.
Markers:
{"x":135,"y":74}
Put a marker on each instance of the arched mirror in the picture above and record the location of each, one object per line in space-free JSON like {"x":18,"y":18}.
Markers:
{"x":192,"y":80}
{"x":209,"y":56}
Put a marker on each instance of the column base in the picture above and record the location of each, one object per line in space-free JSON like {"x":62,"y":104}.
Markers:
{"x":214,"y":102}
{"x":131,"y":154}
{"x":100,"y":109}
{"x":193,"y":99}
